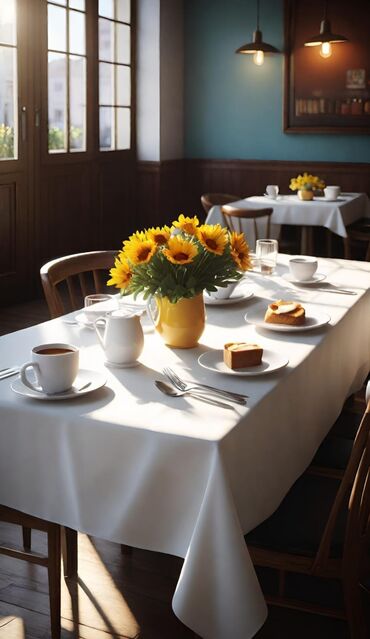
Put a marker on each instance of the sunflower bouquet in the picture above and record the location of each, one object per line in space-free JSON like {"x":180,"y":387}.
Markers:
{"x":306,"y":182}
{"x":180,"y":261}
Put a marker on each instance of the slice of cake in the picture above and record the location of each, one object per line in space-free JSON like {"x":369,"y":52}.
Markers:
{"x":242,"y":355}
{"x":285,"y":312}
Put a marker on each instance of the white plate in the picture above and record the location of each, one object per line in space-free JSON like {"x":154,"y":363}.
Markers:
{"x":314,"y":319}
{"x":318,"y":277}
{"x":96,"y":379}
{"x":326,"y":199}
{"x":233,"y":299}
{"x":271,"y":361}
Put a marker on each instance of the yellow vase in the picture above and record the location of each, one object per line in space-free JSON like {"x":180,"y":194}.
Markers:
{"x":305,"y":195}
{"x":180,"y":324}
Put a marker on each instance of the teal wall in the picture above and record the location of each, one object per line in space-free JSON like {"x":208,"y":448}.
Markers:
{"x":233,"y":109}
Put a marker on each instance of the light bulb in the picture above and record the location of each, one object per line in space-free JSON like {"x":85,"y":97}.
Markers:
{"x":258,"y":58}
{"x":325,"y":50}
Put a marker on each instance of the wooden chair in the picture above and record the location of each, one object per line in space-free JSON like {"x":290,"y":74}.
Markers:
{"x":51,"y":561}
{"x":358,"y":232}
{"x":233,"y":217}
{"x":322,"y":529}
{"x":82,"y":273}
{"x":217,"y":199}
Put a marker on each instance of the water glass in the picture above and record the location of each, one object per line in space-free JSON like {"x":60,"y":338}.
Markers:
{"x":266,"y":254}
{"x":96,"y":298}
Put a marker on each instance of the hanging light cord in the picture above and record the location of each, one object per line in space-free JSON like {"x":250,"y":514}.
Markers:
{"x":258,"y":15}
{"x":325,"y":10}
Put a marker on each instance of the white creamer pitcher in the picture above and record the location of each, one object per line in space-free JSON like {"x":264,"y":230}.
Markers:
{"x":123,"y":337}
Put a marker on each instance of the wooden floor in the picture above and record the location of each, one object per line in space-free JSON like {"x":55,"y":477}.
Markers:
{"x":116,"y":596}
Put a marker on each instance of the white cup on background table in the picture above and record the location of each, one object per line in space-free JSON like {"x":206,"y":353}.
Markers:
{"x":272,"y":190}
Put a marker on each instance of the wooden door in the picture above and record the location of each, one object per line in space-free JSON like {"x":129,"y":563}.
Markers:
{"x":16,"y":212}
{"x":67,"y":181}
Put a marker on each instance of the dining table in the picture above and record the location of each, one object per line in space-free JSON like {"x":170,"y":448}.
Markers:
{"x":334,"y":215}
{"x":182,"y":475}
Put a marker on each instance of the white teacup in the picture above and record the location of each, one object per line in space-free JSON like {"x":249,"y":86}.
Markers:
{"x":272,"y":190}
{"x":223,"y":292}
{"x":55,"y":366}
{"x":303,"y":268}
{"x":332,"y":192}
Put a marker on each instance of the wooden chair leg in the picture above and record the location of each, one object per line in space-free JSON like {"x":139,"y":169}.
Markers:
{"x":69,"y":550}
{"x":54,"y":579}
{"x":26,"y":533}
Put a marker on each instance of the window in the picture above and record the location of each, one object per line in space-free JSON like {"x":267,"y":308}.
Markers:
{"x":114,"y":75}
{"x":66,"y":76}
{"x":8,"y":81}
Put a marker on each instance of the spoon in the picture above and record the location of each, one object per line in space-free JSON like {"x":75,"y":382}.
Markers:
{"x":173,"y":392}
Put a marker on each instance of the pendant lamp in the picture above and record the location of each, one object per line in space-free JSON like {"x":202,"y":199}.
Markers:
{"x":326,"y":37}
{"x":258,"y":47}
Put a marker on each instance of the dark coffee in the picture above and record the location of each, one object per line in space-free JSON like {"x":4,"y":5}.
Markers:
{"x":54,"y":351}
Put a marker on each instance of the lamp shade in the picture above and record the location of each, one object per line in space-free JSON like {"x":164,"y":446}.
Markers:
{"x":325,"y":35}
{"x":257,"y":45}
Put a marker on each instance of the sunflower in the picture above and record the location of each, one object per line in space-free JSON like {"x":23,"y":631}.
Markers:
{"x":180,"y":251}
{"x":213,"y":237}
{"x":239,"y":251}
{"x":121,"y":273}
{"x":139,"y":251}
{"x":187,"y":224}
{"x":159,"y":235}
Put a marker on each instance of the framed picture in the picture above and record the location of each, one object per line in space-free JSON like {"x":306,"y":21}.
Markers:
{"x":327,"y":91}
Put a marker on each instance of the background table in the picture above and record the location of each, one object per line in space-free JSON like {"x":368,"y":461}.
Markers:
{"x":288,"y":209}
{"x":177,"y":475}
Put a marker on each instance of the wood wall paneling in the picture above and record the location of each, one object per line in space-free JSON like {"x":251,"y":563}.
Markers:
{"x":7,"y":230}
{"x":250,"y":177}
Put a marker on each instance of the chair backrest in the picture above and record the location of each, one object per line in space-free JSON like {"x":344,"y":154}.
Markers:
{"x":354,"y":495}
{"x":81,"y":274}
{"x":213,"y":199}
{"x":233,"y":217}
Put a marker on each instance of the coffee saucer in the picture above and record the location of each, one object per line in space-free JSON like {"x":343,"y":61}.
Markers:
{"x":86,"y":382}
{"x":114,"y":365}
{"x":222,"y":301}
{"x":318,"y":277}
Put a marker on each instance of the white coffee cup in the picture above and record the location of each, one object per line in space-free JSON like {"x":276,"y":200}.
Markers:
{"x":332,"y":192}
{"x":55,"y":366}
{"x":272,"y":190}
{"x":303,"y":267}
{"x":223,"y":292}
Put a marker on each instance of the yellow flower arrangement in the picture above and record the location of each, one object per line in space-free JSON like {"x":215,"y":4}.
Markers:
{"x":306,"y":182}
{"x":180,"y":261}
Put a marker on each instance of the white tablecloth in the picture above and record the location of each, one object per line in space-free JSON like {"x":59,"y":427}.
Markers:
{"x":177,"y":475}
{"x":289,"y":209}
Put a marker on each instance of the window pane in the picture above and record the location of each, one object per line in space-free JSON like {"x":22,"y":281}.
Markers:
{"x":8,"y":88}
{"x":106,"y":40}
{"x":106,"y":8}
{"x":57,"y":106}
{"x":123,"y":43}
{"x":77,"y":32}
{"x":123,"y":129}
{"x":77,"y":4}
{"x":123,"y":10}
{"x":8,"y":32}
{"x":77,"y":103}
{"x":57,"y":28}
{"x":123,"y":85}
{"x":106,"y":83}
{"x":106,"y":126}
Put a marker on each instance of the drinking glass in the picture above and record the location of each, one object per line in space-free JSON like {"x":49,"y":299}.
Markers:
{"x":266,"y":254}
{"x":96,"y":299}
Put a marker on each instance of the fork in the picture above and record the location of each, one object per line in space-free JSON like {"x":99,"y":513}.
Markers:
{"x":174,"y":392}
{"x":181,"y":385}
